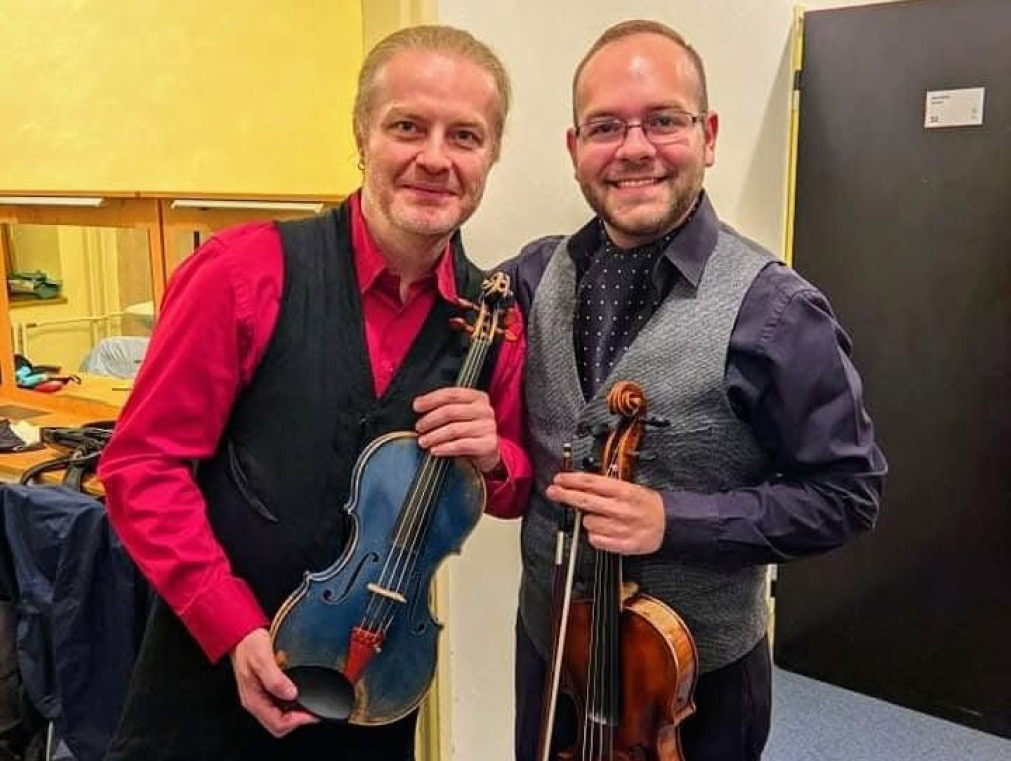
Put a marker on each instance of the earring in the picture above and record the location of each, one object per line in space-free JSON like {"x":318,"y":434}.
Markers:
{"x":361,"y":164}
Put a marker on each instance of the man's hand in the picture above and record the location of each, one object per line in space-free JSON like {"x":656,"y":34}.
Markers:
{"x":619,"y":516}
{"x":459,"y":422}
{"x":263,"y":687}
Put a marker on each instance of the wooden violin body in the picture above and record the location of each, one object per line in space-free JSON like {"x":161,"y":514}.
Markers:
{"x":659,"y":666}
{"x":626,"y":660}
{"x":311,"y":630}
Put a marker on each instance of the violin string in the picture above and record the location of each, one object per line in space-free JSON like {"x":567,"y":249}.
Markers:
{"x":595,"y":729}
{"x":421,"y":514}
{"x":606,"y":650}
{"x":599,"y":604}
{"x":425,"y":483}
{"x":376,"y":610}
{"x":593,"y":689}
{"x":589,"y":702}
{"x":409,"y":556}
{"x":417,"y":510}
{"x":381,"y":609}
{"x":614,"y":587}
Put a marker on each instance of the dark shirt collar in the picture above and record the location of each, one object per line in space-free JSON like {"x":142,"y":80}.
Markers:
{"x":687,"y":253}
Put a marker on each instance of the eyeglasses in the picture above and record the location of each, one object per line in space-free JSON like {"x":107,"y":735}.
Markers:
{"x":659,"y":127}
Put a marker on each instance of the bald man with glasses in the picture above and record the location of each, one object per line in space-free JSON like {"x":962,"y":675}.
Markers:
{"x":768,"y":454}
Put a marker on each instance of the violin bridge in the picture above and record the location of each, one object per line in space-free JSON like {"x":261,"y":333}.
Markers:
{"x":628,"y":589}
{"x":387,"y":593}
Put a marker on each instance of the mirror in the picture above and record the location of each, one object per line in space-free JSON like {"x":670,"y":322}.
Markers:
{"x":85,"y":277}
{"x":76,"y":293}
{"x":81,"y":289}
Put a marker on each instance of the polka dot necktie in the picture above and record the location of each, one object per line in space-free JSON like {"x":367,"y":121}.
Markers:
{"x":616,"y":297}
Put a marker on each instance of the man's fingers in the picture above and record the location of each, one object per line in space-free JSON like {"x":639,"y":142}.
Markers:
{"x":459,"y":447}
{"x":472,"y":412}
{"x":263,"y":688}
{"x":443,"y":396}
{"x":261,"y":699}
{"x":464,"y":429}
{"x":586,"y":501}
{"x":272,"y":717}
{"x":287,"y":721}
{"x":274,"y":680}
{"x":605,"y":528}
{"x":575,"y":480}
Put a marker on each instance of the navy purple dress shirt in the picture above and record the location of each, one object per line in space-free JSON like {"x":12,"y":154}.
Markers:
{"x":788,"y":374}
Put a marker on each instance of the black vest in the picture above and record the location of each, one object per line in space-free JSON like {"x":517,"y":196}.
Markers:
{"x":277,"y":484}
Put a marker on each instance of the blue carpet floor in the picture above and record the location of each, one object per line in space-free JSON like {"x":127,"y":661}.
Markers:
{"x":814,"y":721}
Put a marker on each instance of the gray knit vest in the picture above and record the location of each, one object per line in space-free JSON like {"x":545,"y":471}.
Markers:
{"x":679,"y":360}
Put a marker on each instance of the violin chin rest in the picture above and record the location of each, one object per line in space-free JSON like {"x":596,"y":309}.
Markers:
{"x":323,"y":692}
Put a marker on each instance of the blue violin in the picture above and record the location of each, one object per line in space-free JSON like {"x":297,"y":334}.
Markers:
{"x":358,"y":639}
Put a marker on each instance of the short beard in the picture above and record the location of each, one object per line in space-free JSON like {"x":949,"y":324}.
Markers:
{"x":648,"y":229}
{"x":651,"y":229}
{"x":424,"y":227}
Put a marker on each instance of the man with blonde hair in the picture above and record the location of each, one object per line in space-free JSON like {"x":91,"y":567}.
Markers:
{"x":281,"y":351}
{"x":768,"y":454}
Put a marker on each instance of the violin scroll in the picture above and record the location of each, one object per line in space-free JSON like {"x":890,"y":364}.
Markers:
{"x":494,"y":314}
{"x":627,"y":400}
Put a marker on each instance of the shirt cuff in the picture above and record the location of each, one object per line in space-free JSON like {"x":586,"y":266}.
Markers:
{"x":508,"y":484}
{"x":219,"y":617}
{"x":692,"y":523}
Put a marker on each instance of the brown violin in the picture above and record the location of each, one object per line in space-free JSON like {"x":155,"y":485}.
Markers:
{"x":626,"y":660}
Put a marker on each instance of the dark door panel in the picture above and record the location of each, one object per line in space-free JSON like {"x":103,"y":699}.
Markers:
{"x":908,"y":231}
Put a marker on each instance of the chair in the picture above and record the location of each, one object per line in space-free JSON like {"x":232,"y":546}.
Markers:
{"x":119,"y":356}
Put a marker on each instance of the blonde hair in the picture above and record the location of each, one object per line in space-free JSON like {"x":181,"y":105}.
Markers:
{"x":643,"y":26}
{"x":435,"y":38}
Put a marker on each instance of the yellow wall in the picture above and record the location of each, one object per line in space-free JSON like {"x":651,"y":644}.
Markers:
{"x":380,"y":17}
{"x":179,"y":96}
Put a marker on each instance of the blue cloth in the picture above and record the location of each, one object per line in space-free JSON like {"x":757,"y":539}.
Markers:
{"x":81,"y":607}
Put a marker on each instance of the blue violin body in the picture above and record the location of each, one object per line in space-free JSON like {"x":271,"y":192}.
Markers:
{"x":358,"y":639}
{"x":379,"y":586}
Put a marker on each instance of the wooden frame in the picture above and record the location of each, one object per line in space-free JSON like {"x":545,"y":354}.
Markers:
{"x":116,"y":210}
{"x":210,"y":220}
{"x":151,"y":213}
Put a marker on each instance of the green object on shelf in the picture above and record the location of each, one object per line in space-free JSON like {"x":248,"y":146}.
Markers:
{"x":37,"y":284}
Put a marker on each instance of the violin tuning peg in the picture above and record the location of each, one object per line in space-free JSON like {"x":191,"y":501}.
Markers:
{"x":507,"y":335}
{"x":459,"y":324}
{"x":656,"y":421}
{"x":464,"y":304}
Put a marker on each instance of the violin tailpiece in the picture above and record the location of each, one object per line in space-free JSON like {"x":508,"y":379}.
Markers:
{"x":364,"y":644}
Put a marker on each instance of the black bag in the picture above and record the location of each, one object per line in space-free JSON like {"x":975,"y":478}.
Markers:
{"x":81,"y":447}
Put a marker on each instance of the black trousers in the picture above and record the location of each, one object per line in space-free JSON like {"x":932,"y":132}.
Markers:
{"x":182,"y":708}
{"x":733,"y":707}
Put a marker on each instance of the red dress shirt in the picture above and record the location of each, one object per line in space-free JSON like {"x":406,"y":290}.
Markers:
{"x":216,"y":321}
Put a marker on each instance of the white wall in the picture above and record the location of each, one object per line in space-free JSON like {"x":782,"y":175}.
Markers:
{"x":746,"y":47}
